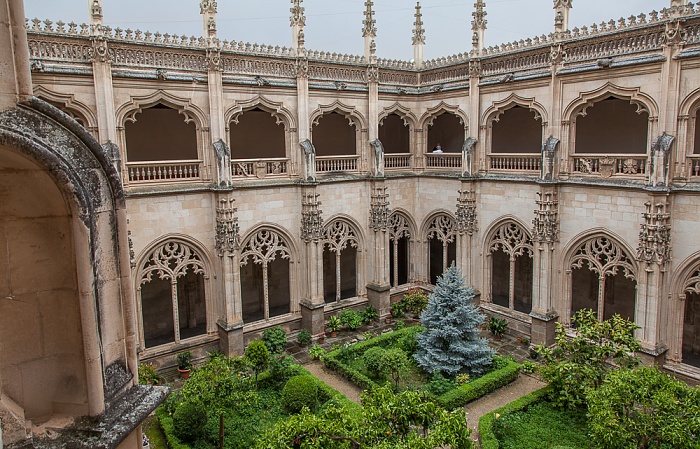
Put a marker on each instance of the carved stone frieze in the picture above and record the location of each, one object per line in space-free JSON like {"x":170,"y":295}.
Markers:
{"x":466,"y":212}
{"x":545,"y":227}
{"x":311,"y":220}
{"x":227,"y":229}
{"x":379,"y":210}
{"x":655,"y":235}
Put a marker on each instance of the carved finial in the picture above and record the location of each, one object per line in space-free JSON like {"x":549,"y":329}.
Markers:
{"x":369,"y":23}
{"x":297,"y":18}
{"x":478,"y":25}
{"x":208,"y":7}
{"x":96,"y":17}
{"x":418,"y":31}
{"x":561,"y":16}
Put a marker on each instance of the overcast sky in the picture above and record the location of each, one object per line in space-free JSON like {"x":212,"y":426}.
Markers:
{"x":335,"y":25}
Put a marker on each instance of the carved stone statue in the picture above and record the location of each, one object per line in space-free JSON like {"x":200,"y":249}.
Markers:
{"x":549,"y":148}
{"x":660,"y":151}
{"x":378,"y":157}
{"x":467,"y":151}
{"x":223,"y":162}
{"x":309,"y":160}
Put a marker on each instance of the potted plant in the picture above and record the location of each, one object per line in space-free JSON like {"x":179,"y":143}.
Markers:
{"x":304,"y":337}
{"x":334,"y":324}
{"x":497,"y":326}
{"x":321,"y":337}
{"x":533,"y":352}
{"x":184,"y":364}
{"x":523,"y":340}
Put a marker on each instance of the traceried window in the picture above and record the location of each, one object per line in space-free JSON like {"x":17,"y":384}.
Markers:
{"x":442,"y":247}
{"x":399,"y":240}
{"x":172,"y":293}
{"x":339,"y":261}
{"x":691,"y":321}
{"x":265,"y":276}
{"x":603,"y":278}
{"x":511,"y":253}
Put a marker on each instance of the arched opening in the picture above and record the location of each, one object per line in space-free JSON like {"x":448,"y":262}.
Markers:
{"x":511,"y":253}
{"x":696,"y":135}
{"x":394,"y":134}
{"x":42,"y":361}
{"x":691,"y":321}
{"x":603,"y":279}
{"x":399,"y":249}
{"x":334,"y":135}
{"x":265,"y":276}
{"x":442,"y":246}
{"x":339,"y":261}
{"x":518,"y":130}
{"x":160,"y":133}
{"x":172,"y":294}
{"x":257,"y":134}
{"x":447,"y":130}
{"x":612,"y":126}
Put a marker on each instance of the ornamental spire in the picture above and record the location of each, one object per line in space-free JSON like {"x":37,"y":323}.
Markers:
{"x":478,"y":25}
{"x":95,"y":15}
{"x":369,"y":31}
{"x":418,"y":37}
{"x":561,"y":16}
{"x":297,"y":21}
{"x":207,"y":8}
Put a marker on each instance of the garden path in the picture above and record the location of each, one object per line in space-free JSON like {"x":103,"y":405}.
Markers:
{"x":341,"y":384}
{"x":523,"y":385}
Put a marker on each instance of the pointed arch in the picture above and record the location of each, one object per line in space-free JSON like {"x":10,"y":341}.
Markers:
{"x":406,"y":227}
{"x":497,"y":108}
{"x":409,"y":118}
{"x":402,"y":240}
{"x":431,"y":114}
{"x":343,"y":245}
{"x":274,"y":108}
{"x":350,"y":112}
{"x":71,"y":106}
{"x":439,"y":229}
{"x":644,"y":102}
{"x":683,"y":310}
{"x":191,"y":112}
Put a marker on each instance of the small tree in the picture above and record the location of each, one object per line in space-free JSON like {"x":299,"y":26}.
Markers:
{"x":580,"y":361}
{"x":394,"y":362}
{"x":275,"y":339}
{"x":644,"y":408}
{"x":257,"y":356}
{"x":450,"y":341}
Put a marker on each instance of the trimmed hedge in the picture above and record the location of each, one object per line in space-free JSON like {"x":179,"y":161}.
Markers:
{"x":334,"y":359}
{"x":325,"y":393}
{"x":485,"y":384}
{"x":486,"y":435}
{"x":450,"y":400}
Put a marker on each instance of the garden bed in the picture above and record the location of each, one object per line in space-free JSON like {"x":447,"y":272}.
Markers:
{"x":348,"y":362}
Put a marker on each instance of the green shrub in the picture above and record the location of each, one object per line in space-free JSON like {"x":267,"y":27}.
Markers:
{"x":398,"y":309}
{"x":280,"y":367}
{"x":350,"y":319}
{"x":257,"y":357}
{"x":148,"y":374}
{"x":275,"y":339}
{"x":189,"y":420}
{"x":504,"y":372}
{"x":300,"y":392}
{"x":372,"y":359}
{"x":316,"y":351}
{"x":184,"y":360}
{"x":165,"y":420}
{"x":369,"y":314}
{"x":394,"y":363}
{"x":399,"y":325}
{"x":439,"y":384}
{"x":304,"y":337}
{"x":415,"y":300}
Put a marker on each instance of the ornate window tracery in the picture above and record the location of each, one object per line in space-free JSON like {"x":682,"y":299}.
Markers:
{"x":399,"y":238}
{"x":172,"y":278}
{"x":265,"y":282}
{"x":511,"y":253}
{"x":340,"y":243}
{"x":442,"y":248}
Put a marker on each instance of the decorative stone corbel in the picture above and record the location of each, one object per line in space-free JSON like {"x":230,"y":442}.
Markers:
{"x":223,"y":161}
{"x":660,"y":152}
{"x":309,"y":160}
{"x":467,"y":152}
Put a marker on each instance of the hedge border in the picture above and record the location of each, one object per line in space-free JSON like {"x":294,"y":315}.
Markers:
{"x":452,"y":399}
{"x":173,"y":442}
{"x":486,"y":436}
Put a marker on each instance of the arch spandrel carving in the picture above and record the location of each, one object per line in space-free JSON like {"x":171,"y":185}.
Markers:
{"x":432,"y":113}
{"x":585,"y":100}
{"x":191,"y":112}
{"x":443,"y":228}
{"x":409,"y":119}
{"x":399,"y":226}
{"x":512,"y":239}
{"x":264,"y":246}
{"x":276,"y":109}
{"x":72,"y":106}
{"x":171,"y":260}
{"x":605,"y":257}
{"x":498,"y":108}
{"x":350,"y":112}
{"x":338,"y":234}
{"x":692,"y":285}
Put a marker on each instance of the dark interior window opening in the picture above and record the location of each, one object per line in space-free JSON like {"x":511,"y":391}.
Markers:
{"x":394,"y":135}
{"x":517,"y":131}
{"x":334,"y":136}
{"x":160,"y":134}
{"x":257,"y":135}
{"x":612,"y":126}
{"x":448,"y":132}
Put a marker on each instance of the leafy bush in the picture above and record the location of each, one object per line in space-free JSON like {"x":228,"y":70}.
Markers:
{"x":184,"y":360}
{"x":334,"y":323}
{"x":497,"y":326}
{"x":300,"y":392}
{"x":148,"y":374}
{"x":415,"y":301}
{"x":280,"y":367}
{"x":189,"y":420}
{"x":350,"y":319}
{"x":257,"y":356}
{"x":393,"y":363}
{"x":369,"y":314}
{"x":440,"y":384}
{"x":372,"y":359}
{"x":304,"y":337}
{"x":275,"y":339}
{"x":408,"y":343}
{"x":316,"y":351}
{"x":504,"y":372}
{"x":399,"y":325}
{"x":165,"y":420}
{"x":398,"y":309}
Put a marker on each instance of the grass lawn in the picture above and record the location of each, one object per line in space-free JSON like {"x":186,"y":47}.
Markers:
{"x":543,"y":426}
{"x":154,"y":433}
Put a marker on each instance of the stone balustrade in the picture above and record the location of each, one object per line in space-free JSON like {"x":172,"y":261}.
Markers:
{"x":694,"y":167}
{"x":618,"y":165}
{"x":444,"y":160}
{"x":259,"y":168}
{"x":515,"y":162}
{"x":326,"y":164}
{"x":396,"y":161}
{"x":170,"y":171}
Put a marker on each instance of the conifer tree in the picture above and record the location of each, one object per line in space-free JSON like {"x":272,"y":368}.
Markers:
{"x":450,"y":341}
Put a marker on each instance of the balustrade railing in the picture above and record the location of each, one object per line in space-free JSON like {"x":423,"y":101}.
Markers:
{"x":694,"y":167}
{"x":155,"y":171}
{"x":258,"y":168}
{"x":515,"y":162}
{"x":444,"y":160}
{"x":619,"y":165}
{"x":325,"y":164}
{"x":397,"y":161}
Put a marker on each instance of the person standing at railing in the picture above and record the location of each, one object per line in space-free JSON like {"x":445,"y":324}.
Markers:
{"x":438,"y":148}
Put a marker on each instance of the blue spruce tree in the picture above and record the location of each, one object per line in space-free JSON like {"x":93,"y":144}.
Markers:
{"x":450,"y":341}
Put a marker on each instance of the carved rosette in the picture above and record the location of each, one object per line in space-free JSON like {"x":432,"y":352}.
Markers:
{"x":100,"y":51}
{"x":379,"y":210}
{"x":311,"y":221}
{"x":227,"y":237}
{"x":466,"y":212}
{"x":545,"y":226}
{"x":213,"y":58}
{"x":418,"y":31}
{"x":655,"y":236}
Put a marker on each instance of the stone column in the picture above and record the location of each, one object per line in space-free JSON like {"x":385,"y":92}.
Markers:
{"x":653,"y":255}
{"x":312,"y":315}
{"x":466,"y":226}
{"x":546,"y":236}
{"x":378,"y":291}
{"x":16,"y":80}
{"x":228,"y":248}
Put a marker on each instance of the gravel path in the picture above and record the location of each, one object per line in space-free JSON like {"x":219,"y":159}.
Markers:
{"x":334,"y":380}
{"x":523,"y":385}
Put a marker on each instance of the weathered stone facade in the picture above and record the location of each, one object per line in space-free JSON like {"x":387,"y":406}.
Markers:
{"x":539,"y":196}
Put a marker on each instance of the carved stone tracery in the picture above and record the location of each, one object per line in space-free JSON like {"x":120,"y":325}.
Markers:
{"x":171,"y":260}
{"x":512,"y":239}
{"x":227,"y":237}
{"x":546,"y":222}
{"x":264,"y":247}
{"x":692,"y":285}
{"x":338,"y":235}
{"x":443,"y":228}
{"x":605,"y":257}
{"x":466,"y":212}
{"x":379,"y":210}
{"x":655,"y":236}
{"x":398,"y":227}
